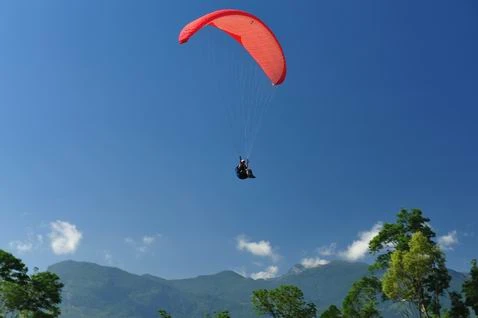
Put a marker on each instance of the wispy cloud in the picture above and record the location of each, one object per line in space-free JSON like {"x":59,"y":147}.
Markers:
{"x":108,"y":257}
{"x":148,"y":240}
{"x":359,"y":248}
{"x":21,"y":246}
{"x":64,"y":237}
{"x":32,"y":243}
{"x":269,"y":273}
{"x":261,"y":248}
{"x":128,"y":240}
{"x":313,"y":262}
{"x":328,"y":250}
{"x":446,"y":242}
{"x":241,"y":271}
{"x":143,"y":244}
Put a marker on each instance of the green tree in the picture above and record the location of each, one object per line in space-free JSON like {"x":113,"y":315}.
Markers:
{"x":396,"y":237}
{"x":470,"y":288}
{"x":223,"y":314}
{"x":13,"y":297}
{"x":361,"y":300}
{"x":409,"y":271}
{"x":437,"y":283}
{"x":332,"y":312}
{"x":44,"y":294}
{"x":164,"y":314}
{"x":458,"y":308}
{"x":38,"y":295}
{"x":285,"y":301}
{"x":12,"y":269}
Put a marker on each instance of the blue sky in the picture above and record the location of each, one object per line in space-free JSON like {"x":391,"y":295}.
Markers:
{"x":115,"y":148}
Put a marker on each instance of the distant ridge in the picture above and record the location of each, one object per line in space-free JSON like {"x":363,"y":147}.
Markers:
{"x":93,"y":290}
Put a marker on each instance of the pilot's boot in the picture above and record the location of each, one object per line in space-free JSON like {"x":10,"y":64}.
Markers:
{"x":250,"y":174}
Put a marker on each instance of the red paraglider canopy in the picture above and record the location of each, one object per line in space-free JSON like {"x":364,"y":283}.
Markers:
{"x":255,"y":36}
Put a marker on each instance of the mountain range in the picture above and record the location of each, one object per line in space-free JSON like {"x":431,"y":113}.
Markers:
{"x":92,"y":290}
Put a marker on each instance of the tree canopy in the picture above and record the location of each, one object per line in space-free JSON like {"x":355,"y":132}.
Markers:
{"x":470,"y":288}
{"x":285,"y":301}
{"x":38,"y":295}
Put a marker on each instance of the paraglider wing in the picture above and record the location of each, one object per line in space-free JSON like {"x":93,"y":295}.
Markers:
{"x":255,"y":36}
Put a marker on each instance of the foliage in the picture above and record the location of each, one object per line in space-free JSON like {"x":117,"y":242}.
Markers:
{"x":396,"y":236}
{"x":164,"y":314}
{"x":437,"y":282}
{"x":409,"y":271}
{"x":286,"y":301}
{"x":458,"y":308}
{"x":394,"y":239}
{"x":12,"y":269}
{"x":470,"y":288}
{"x":37,"y":295}
{"x":223,"y":314}
{"x":361,"y":300}
{"x":332,"y":312}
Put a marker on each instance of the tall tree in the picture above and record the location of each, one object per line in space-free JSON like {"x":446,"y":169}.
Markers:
{"x":361,"y":300}
{"x":396,"y":237}
{"x":470,"y":288}
{"x":437,"y":282}
{"x":285,"y":301}
{"x":409,"y":272}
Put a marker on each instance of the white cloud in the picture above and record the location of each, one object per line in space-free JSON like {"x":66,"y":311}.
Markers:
{"x":21,"y":247}
{"x":313,"y":262}
{"x":328,"y":250}
{"x":447,"y":242}
{"x":261,"y":248}
{"x":359,"y":248}
{"x":269,"y":273}
{"x":64,"y":237}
